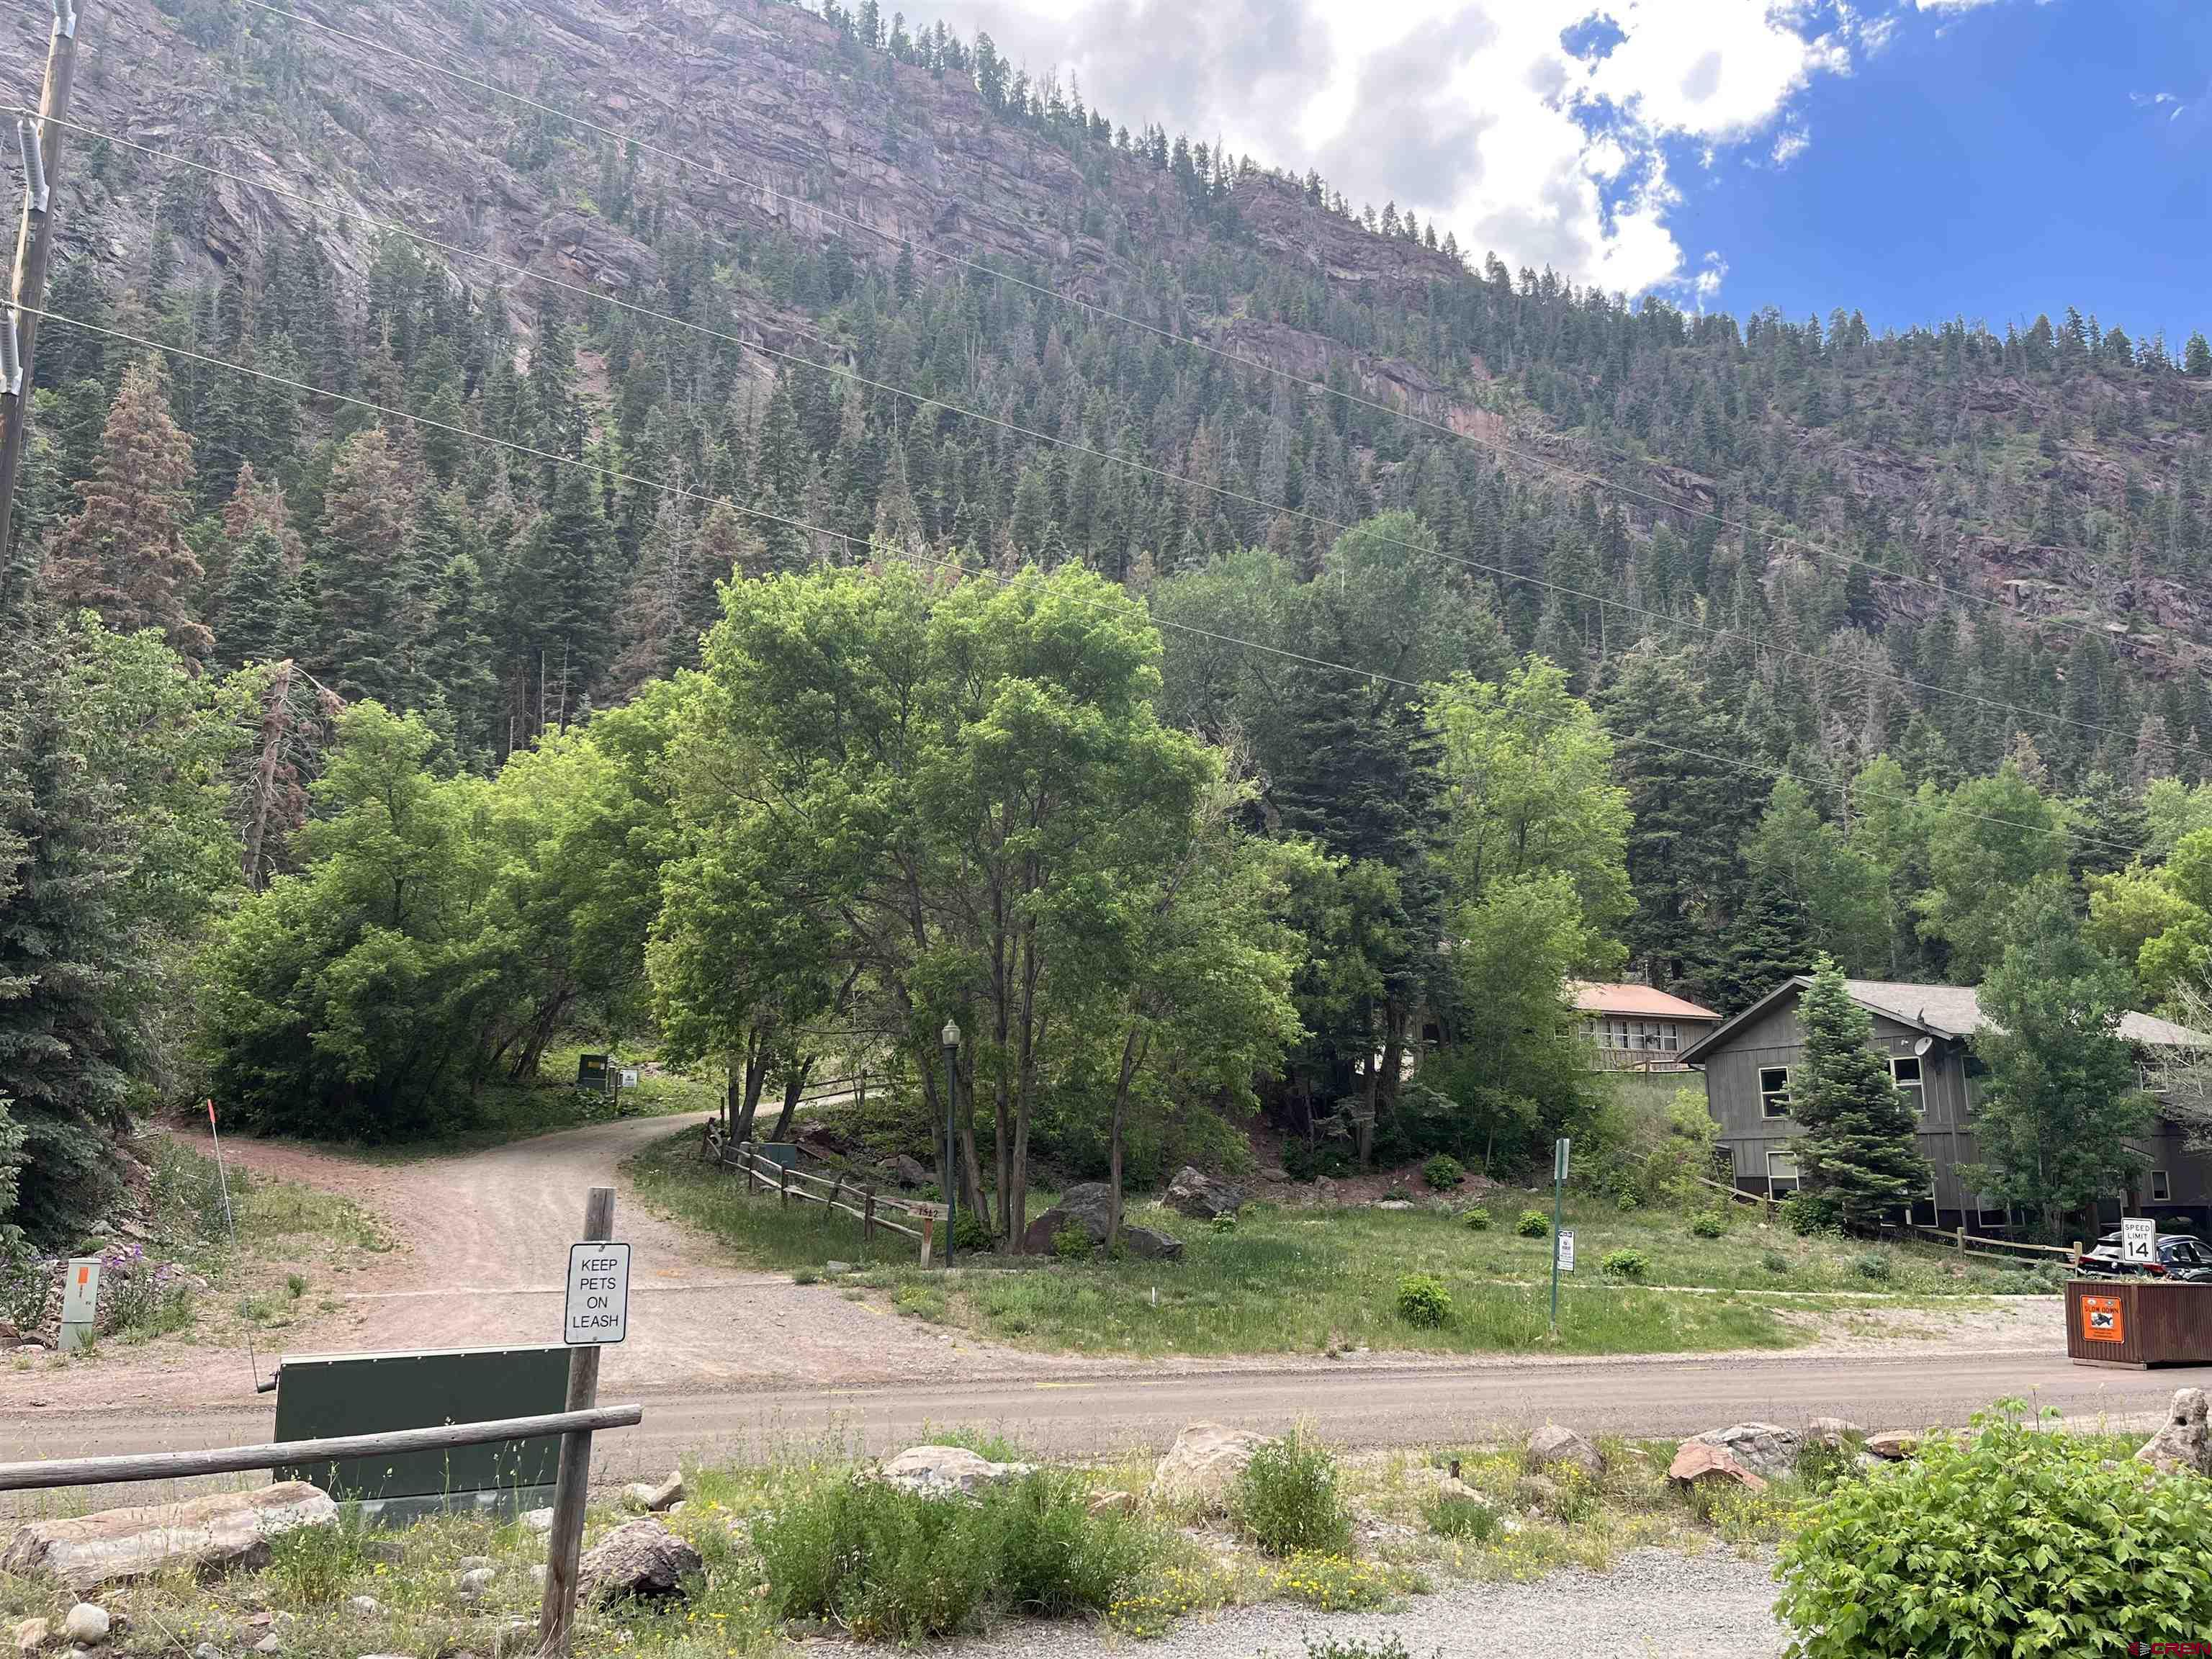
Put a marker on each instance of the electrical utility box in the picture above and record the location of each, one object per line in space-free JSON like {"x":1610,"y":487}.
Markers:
{"x":322,"y":1395}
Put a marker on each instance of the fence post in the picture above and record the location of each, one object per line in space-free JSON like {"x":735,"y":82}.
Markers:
{"x":564,"y":1542}
{"x":1962,"y":1238}
{"x":868,"y":1216}
{"x":928,"y":1233}
{"x":752,"y":1176}
{"x":836,"y":1190}
{"x":783,"y":1186}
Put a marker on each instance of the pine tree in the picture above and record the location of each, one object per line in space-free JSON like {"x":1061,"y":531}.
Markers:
{"x":456,"y":659}
{"x":1858,"y":1157}
{"x":368,"y":578}
{"x":125,"y":555}
{"x":260,"y":603}
{"x":70,"y":957}
{"x":1769,"y":941}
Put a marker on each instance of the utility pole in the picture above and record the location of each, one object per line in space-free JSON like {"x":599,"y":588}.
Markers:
{"x":41,"y":142}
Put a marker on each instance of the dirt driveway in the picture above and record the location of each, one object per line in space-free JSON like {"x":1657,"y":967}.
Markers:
{"x":483,"y":1247}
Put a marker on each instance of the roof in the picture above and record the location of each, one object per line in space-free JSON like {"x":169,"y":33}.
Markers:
{"x":1639,"y":1000}
{"x":1943,"y":1010}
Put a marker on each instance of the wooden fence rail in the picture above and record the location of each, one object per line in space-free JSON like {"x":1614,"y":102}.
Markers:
{"x":232,"y":1460}
{"x":830,"y":1192}
{"x":1965,"y":1242}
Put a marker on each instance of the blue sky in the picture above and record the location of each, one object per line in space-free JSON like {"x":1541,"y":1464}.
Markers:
{"x":1995,"y":161}
{"x":1915,"y":159}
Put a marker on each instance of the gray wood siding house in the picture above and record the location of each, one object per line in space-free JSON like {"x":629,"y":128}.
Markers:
{"x":1925,"y":1032}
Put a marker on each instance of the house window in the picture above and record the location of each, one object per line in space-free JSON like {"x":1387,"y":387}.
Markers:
{"x":1780,"y":1170}
{"x":1904,"y":1072}
{"x":1774,"y":1090}
{"x":2161,"y":1189}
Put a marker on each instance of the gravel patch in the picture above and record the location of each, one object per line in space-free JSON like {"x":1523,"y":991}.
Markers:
{"x":1654,"y":1605}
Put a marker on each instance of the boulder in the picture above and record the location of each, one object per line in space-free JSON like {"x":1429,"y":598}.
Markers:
{"x":943,"y":1471}
{"x":1831,"y":1431}
{"x":364,"y":1605}
{"x":907,"y":1172}
{"x":1552,"y":1445}
{"x":271,"y":1642}
{"x":537,"y":1520}
{"x":1088,"y":1205}
{"x":1454,"y":1489}
{"x":1765,"y":1448}
{"x":641,"y":1558}
{"x":476,"y":1581}
{"x":1327,"y":1192}
{"x":1199,"y":1195}
{"x":1204,"y":1464}
{"x":86,"y":1624}
{"x":213,"y":1534}
{"x":1893,"y":1445}
{"x":2183,"y":1442}
{"x":653,"y":1497}
{"x":1700,"y":1462}
{"x":1114,"y":1503}
{"x":30,"y":1635}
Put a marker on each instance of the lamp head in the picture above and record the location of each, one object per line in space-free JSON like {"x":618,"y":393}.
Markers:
{"x":950,"y":1035}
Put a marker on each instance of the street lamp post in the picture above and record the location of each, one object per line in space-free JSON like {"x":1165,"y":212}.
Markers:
{"x":950,"y":1036}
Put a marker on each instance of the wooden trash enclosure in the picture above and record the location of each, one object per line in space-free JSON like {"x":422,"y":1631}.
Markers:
{"x":2138,"y":1322}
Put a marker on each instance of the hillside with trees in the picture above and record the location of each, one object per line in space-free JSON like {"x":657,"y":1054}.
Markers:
{"x":1215,"y":639}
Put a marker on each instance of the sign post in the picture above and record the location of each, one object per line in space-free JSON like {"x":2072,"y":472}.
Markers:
{"x":1559,"y":1189}
{"x":599,"y":1291}
{"x":2138,"y":1240}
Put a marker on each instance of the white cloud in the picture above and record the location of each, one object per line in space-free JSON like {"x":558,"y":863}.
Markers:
{"x":1474,"y":114}
{"x":1711,"y":273}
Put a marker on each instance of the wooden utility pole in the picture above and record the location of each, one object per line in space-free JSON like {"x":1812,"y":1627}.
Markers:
{"x":34,"y":238}
{"x":572,"y":1484}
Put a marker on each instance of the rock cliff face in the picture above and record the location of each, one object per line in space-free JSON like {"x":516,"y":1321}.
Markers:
{"x":752,"y":114}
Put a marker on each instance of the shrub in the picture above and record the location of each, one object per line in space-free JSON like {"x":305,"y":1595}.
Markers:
{"x":1287,"y":1500}
{"x":1774,"y":1261}
{"x":25,"y":1281}
{"x":1467,"y":1520}
{"x":895,"y":1566}
{"x":1423,"y":1300}
{"x":141,"y":1298}
{"x":1629,"y":1203}
{"x":311,"y":1566}
{"x":1874,"y":1265}
{"x":2012,"y":1542}
{"x":1808,"y":1213}
{"x":1443,"y":1172}
{"x":1624,"y":1264}
{"x":806,"y":1275}
{"x":1335,"y":1584}
{"x":1391,"y":1646}
{"x":1304,"y":1160}
{"x":1073,"y":1242}
{"x":1398,"y":1193}
{"x":1476,"y":1220}
{"x":1709,"y":1224}
{"x":1224,"y":1223}
{"x":1533,"y":1223}
{"x":971,"y":1238}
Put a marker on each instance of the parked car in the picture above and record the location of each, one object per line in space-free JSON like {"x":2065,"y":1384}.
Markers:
{"x":2179,"y":1257}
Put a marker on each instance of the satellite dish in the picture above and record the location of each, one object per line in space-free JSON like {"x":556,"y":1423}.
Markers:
{"x":1922,"y":1047}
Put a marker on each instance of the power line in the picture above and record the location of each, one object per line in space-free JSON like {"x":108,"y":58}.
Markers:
{"x":850,"y":541}
{"x":1826,"y":664}
{"x":1091,"y":307}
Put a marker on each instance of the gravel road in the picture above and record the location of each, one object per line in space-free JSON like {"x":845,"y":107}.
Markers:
{"x":1654,"y":1605}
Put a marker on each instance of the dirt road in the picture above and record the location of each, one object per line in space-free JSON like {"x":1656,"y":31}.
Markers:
{"x":732,"y":1360}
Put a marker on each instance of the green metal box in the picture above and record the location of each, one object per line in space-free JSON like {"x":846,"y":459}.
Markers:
{"x":321,"y":1395}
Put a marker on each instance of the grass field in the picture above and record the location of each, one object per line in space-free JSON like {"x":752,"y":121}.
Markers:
{"x":1290,"y":1280}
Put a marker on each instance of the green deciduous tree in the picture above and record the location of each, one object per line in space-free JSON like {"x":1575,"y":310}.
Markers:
{"x":2060,"y":1098}
{"x":1991,"y":838}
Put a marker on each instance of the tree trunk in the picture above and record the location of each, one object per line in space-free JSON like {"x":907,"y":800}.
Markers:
{"x":794,"y":1085}
{"x":1133,"y":1056}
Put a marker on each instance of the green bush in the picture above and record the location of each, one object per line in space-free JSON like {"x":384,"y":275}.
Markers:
{"x":1468,"y":1520}
{"x":2016,"y":1542}
{"x":1874,"y":1265}
{"x":1073,"y":1242}
{"x":1423,"y":1300}
{"x":1398,"y":1193}
{"x":1288,"y":1500}
{"x":1443,"y":1172}
{"x":891,"y":1565}
{"x":1476,"y":1220}
{"x":1709,"y":1224}
{"x":1808,"y":1213}
{"x":1225,"y":1223}
{"x":1533,"y":1223}
{"x":1624,"y":1264}
{"x":1353,"y":1647}
{"x":970,"y":1237}
{"x":1653,"y":1153}
{"x":1774,"y":1261}
{"x":1304,"y":1160}
{"x":311,"y":1566}
{"x":26,"y":1279}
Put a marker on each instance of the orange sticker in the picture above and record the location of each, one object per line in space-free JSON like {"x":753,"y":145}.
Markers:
{"x":83,"y":1273}
{"x":2101,"y":1319}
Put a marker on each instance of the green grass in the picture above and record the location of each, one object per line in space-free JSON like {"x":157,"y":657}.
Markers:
{"x":1289,"y":1280}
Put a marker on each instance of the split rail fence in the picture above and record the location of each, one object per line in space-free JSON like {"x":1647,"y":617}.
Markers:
{"x":856,"y":1199}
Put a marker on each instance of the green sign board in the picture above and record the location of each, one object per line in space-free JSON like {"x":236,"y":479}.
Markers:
{"x":322,"y":1395}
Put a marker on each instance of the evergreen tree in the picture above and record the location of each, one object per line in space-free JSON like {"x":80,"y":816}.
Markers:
{"x":457,"y":660}
{"x":124,"y":554}
{"x":1768,"y":941}
{"x":1858,"y":1158}
{"x":260,"y":602}
{"x":368,"y":580}
{"x":72,"y":964}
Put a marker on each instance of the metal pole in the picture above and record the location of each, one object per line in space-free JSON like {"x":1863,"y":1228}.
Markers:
{"x":1558,"y":1185}
{"x":253,"y":1365}
{"x":35,"y":238}
{"x":564,"y":1543}
{"x":951,"y":1035}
